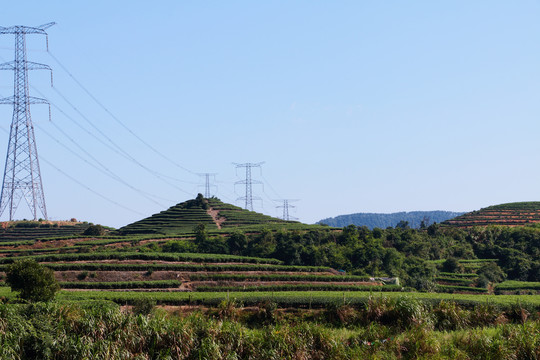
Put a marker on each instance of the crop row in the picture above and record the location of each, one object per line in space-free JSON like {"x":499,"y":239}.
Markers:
{"x":276,"y":277}
{"x":458,"y":275}
{"x":455,"y":288}
{"x":179,"y":267}
{"x":518,"y":285}
{"x":149,"y":256}
{"x":28,"y":252}
{"x":300,"y":287}
{"x":121,"y":284}
{"x":291,"y":298}
{"x":456,"y":281}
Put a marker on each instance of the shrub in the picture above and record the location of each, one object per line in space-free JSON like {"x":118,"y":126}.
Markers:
{"x":492,"y":272}
{"x":33,"y":281}
{"x":143,"y":306}
{"x":95,"y":230}
{"x":452,"y":265}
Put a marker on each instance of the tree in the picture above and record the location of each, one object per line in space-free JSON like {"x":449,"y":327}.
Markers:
{"x":452,"y":265}
{"x":237,"y":242}
{"x":33,"y":281}
{"x":492,"y":272}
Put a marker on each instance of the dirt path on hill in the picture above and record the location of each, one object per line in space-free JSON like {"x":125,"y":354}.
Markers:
{"x":215,"y":216}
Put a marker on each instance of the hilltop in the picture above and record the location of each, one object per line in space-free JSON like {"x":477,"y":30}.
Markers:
{"x":213,"y":213}
{"x":382,"y":221}
{"x":510,"y":214}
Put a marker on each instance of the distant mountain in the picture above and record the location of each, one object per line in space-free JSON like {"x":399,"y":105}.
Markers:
{"x":373,"y":220}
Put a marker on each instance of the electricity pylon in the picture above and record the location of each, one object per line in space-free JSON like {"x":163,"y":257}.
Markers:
{"x":249,"y":184}
{"x":207,"y":185}
{"x":286,"y":207}
{"x":22,"y":177}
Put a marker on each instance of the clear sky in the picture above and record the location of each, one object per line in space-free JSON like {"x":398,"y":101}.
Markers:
{"x":355,"y":106}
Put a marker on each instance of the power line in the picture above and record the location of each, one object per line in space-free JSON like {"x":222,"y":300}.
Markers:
{"x":83,"y":185}
{"x":103,"y":169}
{"x":118,"y":149}
{"x":117,"y":119}
{"x":89,"y":189}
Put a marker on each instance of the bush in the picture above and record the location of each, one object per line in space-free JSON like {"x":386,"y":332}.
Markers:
{"x":33,"y":281}
{"x":452,"y":265}
{"x":492,"y":272}
{"x":95,"y":230}
{"x":143,"y":306}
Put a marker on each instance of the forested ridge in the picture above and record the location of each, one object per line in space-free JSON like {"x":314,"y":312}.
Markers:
{"x":414,"y":255}
{"x":373,"y":220}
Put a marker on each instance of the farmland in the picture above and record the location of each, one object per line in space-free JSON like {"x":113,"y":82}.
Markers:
{"x":207,"y":260}
{"x":512,"y":214}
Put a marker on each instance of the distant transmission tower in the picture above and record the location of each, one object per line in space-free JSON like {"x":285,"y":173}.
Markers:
{"x":286,"y":207}
{"x":207,"y":185}
{"x":249,"y":184}
{"x":22,"y":177}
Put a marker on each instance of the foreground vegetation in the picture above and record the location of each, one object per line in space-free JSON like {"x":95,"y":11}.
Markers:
{"x":383,"y":328}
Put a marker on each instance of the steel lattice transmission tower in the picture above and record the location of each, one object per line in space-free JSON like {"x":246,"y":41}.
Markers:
{"x":207,"y":185}
{"x":22,"y":177}
{"x":248,"y":198}
{"x":286,"y":207}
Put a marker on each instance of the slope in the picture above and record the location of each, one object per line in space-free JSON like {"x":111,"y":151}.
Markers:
{"x":510,"y":214}
{"x":213,"y":213}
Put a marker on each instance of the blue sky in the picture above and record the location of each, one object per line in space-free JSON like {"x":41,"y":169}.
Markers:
{"x":355,"y":106}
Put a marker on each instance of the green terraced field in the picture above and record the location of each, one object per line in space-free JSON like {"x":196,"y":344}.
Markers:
{"x":287,"y":298}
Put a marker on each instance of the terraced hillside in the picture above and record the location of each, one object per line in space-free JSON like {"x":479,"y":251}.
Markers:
{"x":125,"y":263}
{"x":30,"y":230}
{"x":511,"y":214}
{"x":213,"y":213}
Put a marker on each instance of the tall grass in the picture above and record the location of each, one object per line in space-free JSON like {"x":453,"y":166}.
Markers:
{"x":100,"y":330}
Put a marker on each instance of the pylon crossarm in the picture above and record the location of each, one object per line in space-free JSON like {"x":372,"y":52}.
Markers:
{"x":37,"y":66}
{"x":23,"y":30}
{"x":10,"y":65}
{"x":7,"y":100}
{"x":46,"y":26}
{"x":35,"y":100}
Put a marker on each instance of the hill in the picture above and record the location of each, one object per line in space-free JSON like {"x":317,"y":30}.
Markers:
{"x":213,"y":213}
{"x":510,"y":214}
{"x":374,"y":220}
{"x":29,"y":230}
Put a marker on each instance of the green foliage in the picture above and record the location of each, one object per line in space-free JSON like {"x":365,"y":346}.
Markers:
{"x":31,"y":280}
{"x":99,"y":330}
{"x":452,"y":265}
{"x":95,"y":230}
{"x":237,"y":242}
{"x":179,"y":246}
{"x":111,"y":255}
{"x":492,"y":272}
{"x":121,"y":284}
{"x":143,"y":306}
